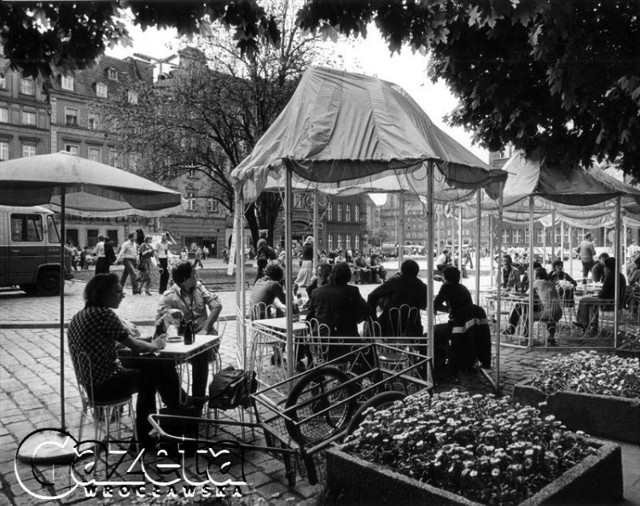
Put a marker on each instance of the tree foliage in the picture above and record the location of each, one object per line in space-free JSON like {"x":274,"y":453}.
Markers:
{"x":211,"y":111}
{"x":559,"y":76}
{"x":39,"y":37}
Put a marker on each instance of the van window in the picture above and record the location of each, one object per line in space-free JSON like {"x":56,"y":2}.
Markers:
{"x":26,"y":228}
{"x":52,"y":231}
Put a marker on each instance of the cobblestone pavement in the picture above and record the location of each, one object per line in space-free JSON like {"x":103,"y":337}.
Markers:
{"x":29,"y":399}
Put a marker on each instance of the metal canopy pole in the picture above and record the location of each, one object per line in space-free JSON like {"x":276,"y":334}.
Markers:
{"x":478,"y":240}
{"x":530,"y":287}
{"x":498,"y":291}
{"x":460,"y":238}
{"x":491,"y":245}
{"x":288,"y":240}
{"x":618,"y":255}
{"x":571,"y":253}
{"x":62,"y":255}
{"x":239,"y":261}
{"x":316,"y":239}
{"x":430,"y":294}
{"x":401,"y":232}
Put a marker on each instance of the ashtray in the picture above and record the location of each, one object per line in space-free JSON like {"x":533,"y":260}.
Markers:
{"x":174,"y":339}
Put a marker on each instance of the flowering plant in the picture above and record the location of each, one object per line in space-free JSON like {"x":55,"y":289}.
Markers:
{"x":476,"y":446}
{"x":590,"y":372}
{"x":631,"y":341}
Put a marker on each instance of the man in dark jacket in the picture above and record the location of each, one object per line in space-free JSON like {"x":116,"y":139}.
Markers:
{"x":587,"y":315}
{"x":404,"y":289}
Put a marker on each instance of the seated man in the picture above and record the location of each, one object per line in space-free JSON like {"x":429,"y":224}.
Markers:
{"x":559,"y":277}
{"x":402,"y":289}
{"x":508,"y":277}
{"x":551,"y":310}
{"x":588,"y":306}
{"x":322,"y":278}
{"x":597,"y":271}
{"x":96,"y":330}
{"x":267,"y":292}
{"x":362,"y":270}
{"x":378,"y":272}
{"x":189,"y":296}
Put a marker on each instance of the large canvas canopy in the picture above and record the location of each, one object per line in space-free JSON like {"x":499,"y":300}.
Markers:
{"x":341,"y":129}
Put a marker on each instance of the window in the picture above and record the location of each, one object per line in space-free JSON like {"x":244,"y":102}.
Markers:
{"x":357,"y":212}
{"x":134,"y":162}
{"x":339,"y":217}
{"x":192,"y":201}
{"x":101,"y":90}
{"x":192,"y":172}
{"x":4,"y":150}
{"x":348,"y":213}
{"x":339,"y":240}
{"x":28,"y":118}
{"x":72,"y":148}
{"x":357,"y":241}
{"x":114,"y":158}
{"x":95,"y":154}
{"x":4,"y":115}
{"x":3,"y":81}
{"x":113,"y":74}
{"x":330,"y":212}
{"x":330,"y":242}
{"x":92,"y":121}
{"x":212,"y":206}
{"x":52,"y":230}
{"x":526,"y":235}
{"x":26,"y":228}
{"x":27,"y":87}
{"x":506,"y":236}
{"x":556,"y":234}
{"x":132,"y":97}
{"x":28,"y":150}
{"x":540,"y":235}
{"x":517,"y":236}
{"x":71,"y":116}
{"x":348,"y":242}
{"x":67,"y":82}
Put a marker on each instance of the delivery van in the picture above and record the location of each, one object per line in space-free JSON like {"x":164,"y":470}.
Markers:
{"x":30,"y":250}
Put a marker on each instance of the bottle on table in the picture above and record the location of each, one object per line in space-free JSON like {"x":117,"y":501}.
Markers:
{"x":189,"y":334}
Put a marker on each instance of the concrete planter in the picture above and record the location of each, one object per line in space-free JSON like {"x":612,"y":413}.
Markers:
{"x":351,"y":480}
{"x":597,"y":415}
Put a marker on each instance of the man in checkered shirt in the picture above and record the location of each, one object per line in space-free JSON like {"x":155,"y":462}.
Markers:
{"x":96,"y":330}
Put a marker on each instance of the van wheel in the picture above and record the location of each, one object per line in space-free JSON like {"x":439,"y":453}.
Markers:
{"x":49,"y":283}
{"x":29,"y":288}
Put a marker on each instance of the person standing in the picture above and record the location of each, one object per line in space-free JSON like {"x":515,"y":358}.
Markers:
{"x":306,"y":270}
{"x":128,"y":256}
{"x":161,"y":251}
{"x":102,"y":264}
{"x":587,"y":252}
{"x":144,"y":264}
{"x":198,"y":260}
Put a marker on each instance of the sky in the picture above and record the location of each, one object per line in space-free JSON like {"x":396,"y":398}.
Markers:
{"x":369,"y":56}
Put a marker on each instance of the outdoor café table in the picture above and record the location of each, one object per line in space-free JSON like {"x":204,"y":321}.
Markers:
{"x":175,"y":351}
{"x":279,"y":325}
{"x":508,"y":302}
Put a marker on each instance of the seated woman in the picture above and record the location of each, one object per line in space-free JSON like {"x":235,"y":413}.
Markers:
{"x":558,"y":274}
{"x":96,"y":330}
{"x":268,"y":291}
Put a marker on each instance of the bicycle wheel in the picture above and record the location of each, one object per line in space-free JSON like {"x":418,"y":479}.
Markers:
{"x":380,"y":401}
{"x":322,"y":389}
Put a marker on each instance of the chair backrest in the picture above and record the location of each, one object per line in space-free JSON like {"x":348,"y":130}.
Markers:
{"x":318,"y":344}
{"x":260,"y":311}
{"x":372,"y":328}
{"x":84,"y":376}
{"x":404,"y":319}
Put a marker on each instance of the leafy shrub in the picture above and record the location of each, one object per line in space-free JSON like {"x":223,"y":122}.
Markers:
{"x":477,"y":446}
{"x":590,"y":372}
{"x":630,"y":340}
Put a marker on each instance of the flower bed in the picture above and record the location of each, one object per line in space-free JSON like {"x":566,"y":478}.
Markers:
{"x":599,"y":394}
{"x":455,"y":446}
